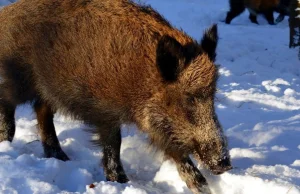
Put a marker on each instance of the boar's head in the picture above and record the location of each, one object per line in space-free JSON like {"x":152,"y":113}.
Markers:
{"x":181,"y":117}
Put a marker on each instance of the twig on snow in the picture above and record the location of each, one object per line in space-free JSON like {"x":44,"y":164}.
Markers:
{"x":290,"y":189}
{"x":32,"y":141}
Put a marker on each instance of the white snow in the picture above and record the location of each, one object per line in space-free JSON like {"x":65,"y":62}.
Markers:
{"x":296,"y":163}
{"x":258,"y":104}
{"x":279,"y":148}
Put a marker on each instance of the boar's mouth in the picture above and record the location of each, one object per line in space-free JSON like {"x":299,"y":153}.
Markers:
{"x":221,"y":170}
{"x":215,"y":168}
{"x":222,"y":166}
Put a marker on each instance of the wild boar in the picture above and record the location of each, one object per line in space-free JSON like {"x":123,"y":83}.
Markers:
{"x":110,"y":62}
{"x":266,"y":7}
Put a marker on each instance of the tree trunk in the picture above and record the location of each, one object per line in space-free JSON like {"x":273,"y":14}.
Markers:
{"x":294,"y":23}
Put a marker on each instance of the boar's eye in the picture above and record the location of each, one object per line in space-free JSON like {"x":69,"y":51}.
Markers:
{"x":204,"y":93}
{"x":191,"y":100}
{"x":196,"y":97}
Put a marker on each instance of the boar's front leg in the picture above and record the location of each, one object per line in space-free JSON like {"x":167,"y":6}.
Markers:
{"x":47,"y":131}
{"x":7,"y":121}
{"x":113,"y":168}
{"x":190,"y":174}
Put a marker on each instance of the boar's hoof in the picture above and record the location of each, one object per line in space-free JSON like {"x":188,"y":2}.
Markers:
{"x":56,"y":153}
{"x":120,"y":178}
{"x":204,"y":189}
{"x":4,"y":137}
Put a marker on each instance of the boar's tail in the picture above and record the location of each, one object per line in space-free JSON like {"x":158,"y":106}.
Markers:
{"x":209,"y":41}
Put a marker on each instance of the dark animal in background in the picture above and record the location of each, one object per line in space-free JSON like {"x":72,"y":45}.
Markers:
{"x":108,"y":63}
{"x":283,"y":9}
{"x":255,"y":7}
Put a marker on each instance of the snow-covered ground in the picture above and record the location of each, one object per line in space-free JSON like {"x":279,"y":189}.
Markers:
{"x":258,"y":104}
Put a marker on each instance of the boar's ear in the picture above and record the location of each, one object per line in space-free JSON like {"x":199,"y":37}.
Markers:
{"x":209,"y":41}
{"x":169,"y":58}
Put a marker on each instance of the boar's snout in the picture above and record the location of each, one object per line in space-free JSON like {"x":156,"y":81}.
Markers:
{"x":222,"y":166}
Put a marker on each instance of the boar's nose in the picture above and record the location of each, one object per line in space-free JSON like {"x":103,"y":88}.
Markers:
{"x":223,"y":166}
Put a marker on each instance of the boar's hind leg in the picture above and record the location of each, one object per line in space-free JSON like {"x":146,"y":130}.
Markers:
{"x":253,"y":18}
{"x":191,"y":175}
{"x":111,"y":156}
{"x":7,"y":121}
{"x":47,"y":131}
